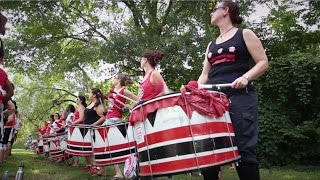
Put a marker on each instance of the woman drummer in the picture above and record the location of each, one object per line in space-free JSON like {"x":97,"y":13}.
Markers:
{"x":153,"y":84}
{"x":93,"y":115}
{"x":227,"y":61}
{"x":116,"y":105}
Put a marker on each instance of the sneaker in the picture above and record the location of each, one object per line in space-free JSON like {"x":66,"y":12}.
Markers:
{"x":86,"y":167}
{"x":94,"y":170}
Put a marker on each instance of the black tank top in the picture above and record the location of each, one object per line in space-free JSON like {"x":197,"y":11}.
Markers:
{"x":90,"y":116}
{"x":229,"y":59}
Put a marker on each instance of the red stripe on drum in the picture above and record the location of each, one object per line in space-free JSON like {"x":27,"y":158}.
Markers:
{"x":177,"y":166}
{"x":184,"y":132}
{"x":79,"y":153}
{"x":111,"y":162}
{"x":83,"y":144}
{"x":54,"y":150}
{"x":114,"y":148}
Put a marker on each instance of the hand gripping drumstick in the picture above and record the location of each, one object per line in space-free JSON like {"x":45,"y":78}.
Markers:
{"x":207,"y":86}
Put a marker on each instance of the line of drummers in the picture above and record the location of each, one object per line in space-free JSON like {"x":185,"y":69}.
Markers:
{"x":173,"y":139}
{"x":83,"y":140}
{"x":82,"y":130}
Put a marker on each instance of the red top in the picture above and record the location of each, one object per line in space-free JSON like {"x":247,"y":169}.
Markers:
{"x":46,"y":129}
{"x":148,"y":90}
{"x":76,"y":116}
{"x":60,"y":122}
{"x":11,"y":123}
{"x":116,"y":102}
{"x":3,"y":82}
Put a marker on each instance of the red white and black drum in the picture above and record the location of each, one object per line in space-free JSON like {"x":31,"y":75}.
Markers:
{"x":112,"y":144}
{"x":55,"y":149}
{"x":169,"y":142}
{"x":79,"y":140}
{"x":40,"y":149}
{"x":45,"y":144}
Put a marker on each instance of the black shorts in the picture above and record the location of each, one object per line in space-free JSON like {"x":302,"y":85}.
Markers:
{"x":7,"y":132}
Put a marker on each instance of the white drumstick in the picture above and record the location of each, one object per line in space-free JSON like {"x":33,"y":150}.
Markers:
{"x":125,"y":97}
{"x":209,"y":86}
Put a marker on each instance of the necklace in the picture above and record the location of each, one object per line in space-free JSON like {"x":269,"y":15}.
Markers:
{"x":226,"y":32}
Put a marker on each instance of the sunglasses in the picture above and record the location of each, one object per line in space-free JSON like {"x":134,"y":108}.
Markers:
{"x":219,"y":7}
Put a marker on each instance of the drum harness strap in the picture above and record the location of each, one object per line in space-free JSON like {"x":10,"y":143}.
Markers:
{"x":1,"y":121}
{"x":144,"y":126}
{"x":193,"y":143}
{"x":233,"y":149}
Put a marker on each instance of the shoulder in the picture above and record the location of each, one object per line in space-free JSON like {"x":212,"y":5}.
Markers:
{"x":3,"y":74}
{"x":156,"y":74}
{"x":248,"y":34}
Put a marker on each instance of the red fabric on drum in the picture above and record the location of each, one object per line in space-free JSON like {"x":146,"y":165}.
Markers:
{"x":140,"y":114}
{"x":205,"y":103}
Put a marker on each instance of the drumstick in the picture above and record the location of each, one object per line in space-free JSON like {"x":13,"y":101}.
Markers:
{"x":125,"y":97}
{"x":209,"y":86}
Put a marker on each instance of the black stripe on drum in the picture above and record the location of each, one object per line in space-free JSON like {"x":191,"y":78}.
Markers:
{"x":79,"y":148}
{"x":56,"y":153}
{"x":115,"y":154}
{"x":185,"y":148}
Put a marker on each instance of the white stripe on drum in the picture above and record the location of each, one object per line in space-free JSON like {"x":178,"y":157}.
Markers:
{"x":112,"y":159}
{"x":185,"y":140}
{"x":207,"y":153}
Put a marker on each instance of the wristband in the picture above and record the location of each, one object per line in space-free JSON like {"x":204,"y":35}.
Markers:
{"x":246,"y":77}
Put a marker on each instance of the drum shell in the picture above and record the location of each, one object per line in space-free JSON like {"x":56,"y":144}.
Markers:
{"x":112,"y":144}
{"x":169,"y":142}
{"x":79,"y":140}
{"x":54,"y":147}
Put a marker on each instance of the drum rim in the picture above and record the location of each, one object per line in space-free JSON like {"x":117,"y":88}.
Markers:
{"x":110,"y":125}
{"x":167,"y":96}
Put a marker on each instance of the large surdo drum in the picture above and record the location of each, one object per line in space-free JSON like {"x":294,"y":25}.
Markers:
{"x":79,"y":140}
{"x":172,"y":138}
{"x":112,"y":144}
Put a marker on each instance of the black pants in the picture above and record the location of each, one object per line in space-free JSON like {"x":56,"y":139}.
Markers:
{"x":246,"y":171}
{"x":244,"y":116}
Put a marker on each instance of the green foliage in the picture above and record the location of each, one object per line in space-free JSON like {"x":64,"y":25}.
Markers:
{"x":56,"y":44}
{"x":289,"y":112}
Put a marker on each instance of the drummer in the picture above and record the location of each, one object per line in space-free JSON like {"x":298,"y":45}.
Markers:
{"x":116,"y":100}
{"x":81,"y":106}
{"x":116,"y":105}
{"x":93,"y":115}
{"x":153,"y":84}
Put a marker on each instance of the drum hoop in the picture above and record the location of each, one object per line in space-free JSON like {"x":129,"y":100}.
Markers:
{"x":110,"y":125}
{"x":167,"y":96}
{"x":80,"y":126}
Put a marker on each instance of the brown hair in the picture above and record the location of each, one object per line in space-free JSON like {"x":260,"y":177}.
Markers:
{"x":3,"y":21}
{"x":99,"y":96}
{"x":124,"y":79}
{"x":233,"y":11}
{"x":153,"y":56}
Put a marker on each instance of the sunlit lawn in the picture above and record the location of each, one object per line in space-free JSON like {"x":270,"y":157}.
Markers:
{"x":38,"y":167}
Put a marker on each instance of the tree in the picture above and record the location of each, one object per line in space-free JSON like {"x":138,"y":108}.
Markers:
{"x":69,"y":36}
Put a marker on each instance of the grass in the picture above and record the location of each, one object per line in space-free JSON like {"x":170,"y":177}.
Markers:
{"x":38,"y":167}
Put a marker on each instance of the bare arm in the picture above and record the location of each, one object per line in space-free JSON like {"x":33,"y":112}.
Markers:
{"x":130,"y":95}
{"x":10,"y":118}
{"x":9,"y":90}
{"x":203,"y":79}
{"x":258,"y":54}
